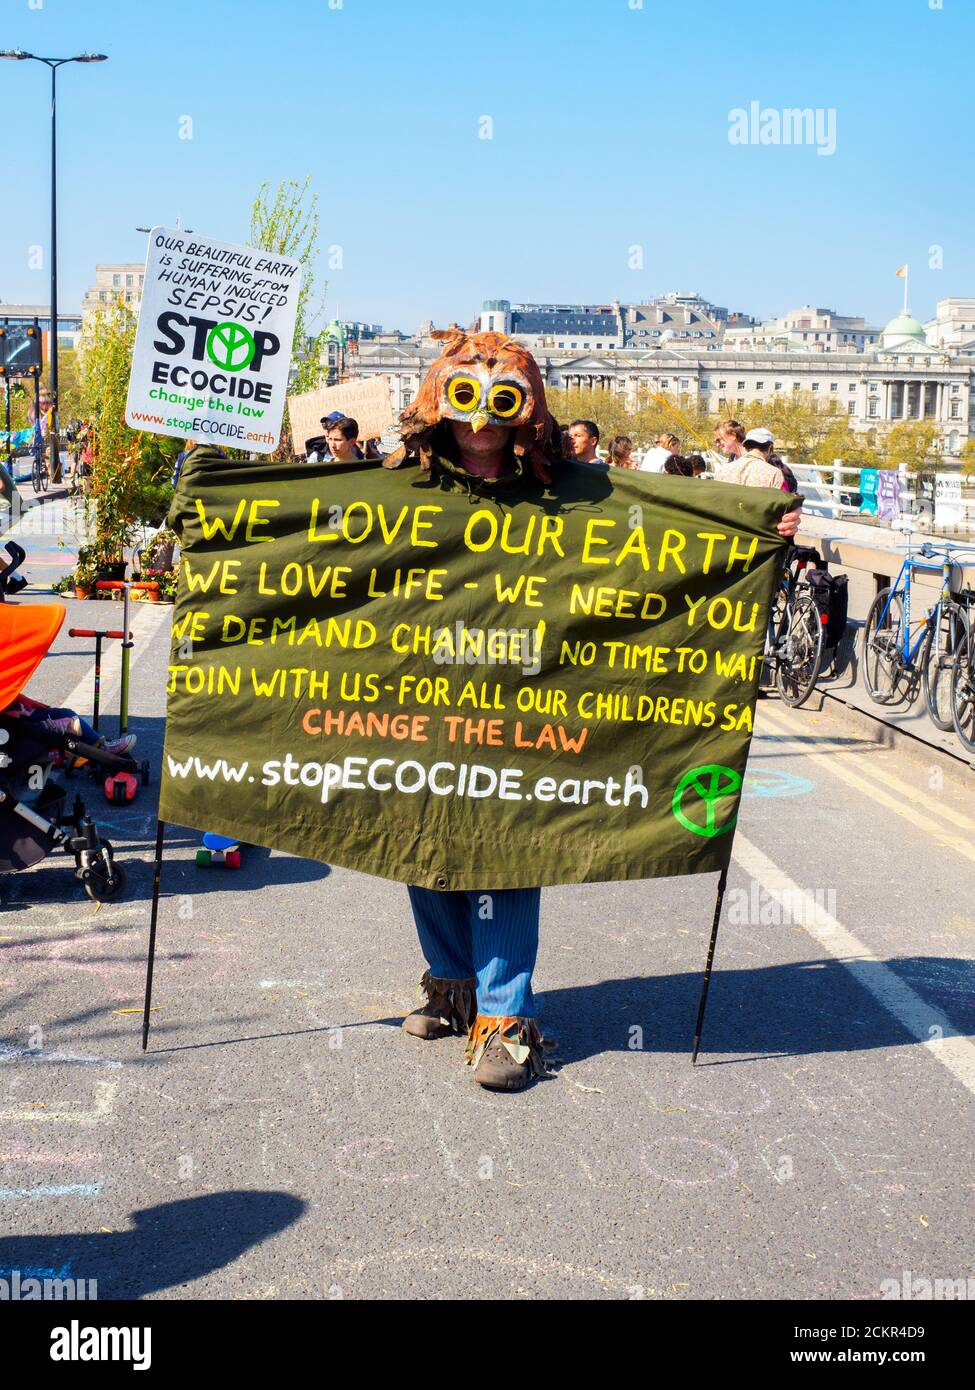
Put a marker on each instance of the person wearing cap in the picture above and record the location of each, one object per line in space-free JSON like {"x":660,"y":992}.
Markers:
{"x":316,"y":448}
{"x":340,"y":437}
{"x":754,"y":468}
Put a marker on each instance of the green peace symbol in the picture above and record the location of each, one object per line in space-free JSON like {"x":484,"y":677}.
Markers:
{"x":229,"y":339}
{"x":712,"y":783}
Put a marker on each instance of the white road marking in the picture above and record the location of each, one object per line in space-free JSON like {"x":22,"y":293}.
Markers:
{"x":922,"y":1020}
{"x":145,"y":620}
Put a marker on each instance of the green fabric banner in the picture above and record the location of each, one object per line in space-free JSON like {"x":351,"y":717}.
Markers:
{"x":467,"y":686}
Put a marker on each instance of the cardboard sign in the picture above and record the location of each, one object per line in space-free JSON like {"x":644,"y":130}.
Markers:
{"x":366,"y":401}
{"x":948,"y":508}
{"x":213,"y":347}
{"x":554,"y":684}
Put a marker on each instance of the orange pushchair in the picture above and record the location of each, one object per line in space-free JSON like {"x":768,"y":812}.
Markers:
{"x":33,"y":818}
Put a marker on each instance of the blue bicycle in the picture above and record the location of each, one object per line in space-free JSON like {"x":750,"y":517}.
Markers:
{"x":900,"y":655}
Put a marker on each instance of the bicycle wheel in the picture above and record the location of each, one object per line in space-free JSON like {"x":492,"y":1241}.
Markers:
{"x":35,"y":474}
{"x":963,"y":691}
{"x":941,"y":653}
{"x":801,"y":653}
{"x":882,"y":661}
{"x":777,"y":622}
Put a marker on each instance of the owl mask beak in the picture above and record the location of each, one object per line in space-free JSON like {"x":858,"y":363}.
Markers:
{"x":478,"y":420}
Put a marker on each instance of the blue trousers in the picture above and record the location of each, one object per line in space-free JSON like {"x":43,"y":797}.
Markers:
{"x":492,"y":936}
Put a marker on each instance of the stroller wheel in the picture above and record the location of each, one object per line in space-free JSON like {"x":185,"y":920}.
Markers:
{"x":106,"y":878}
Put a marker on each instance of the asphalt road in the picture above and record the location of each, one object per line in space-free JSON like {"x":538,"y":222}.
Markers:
{"x":284,"y":1138}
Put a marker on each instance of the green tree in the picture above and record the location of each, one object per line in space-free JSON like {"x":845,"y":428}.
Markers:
{"x":129,"y":482}
{"x":913,"y":443}
{"x":968,"y":459}
{"x":605,"y":408}
{"x":285,"y":223}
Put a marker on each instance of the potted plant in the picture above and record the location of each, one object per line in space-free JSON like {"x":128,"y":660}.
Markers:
{"x":168,"y":583}
{"x":86,"y":571}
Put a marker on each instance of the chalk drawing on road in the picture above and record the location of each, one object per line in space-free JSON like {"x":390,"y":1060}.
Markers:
{"x":363,"y":1161}
{"x":34,"y":1194}
{"x":103,"y":1105}
{"x":672,"y":1159}
{"x":38,"y":1054}
{"x":766,"y":781}
{"x":736,"y":1095}
{"x":431,"y":1256}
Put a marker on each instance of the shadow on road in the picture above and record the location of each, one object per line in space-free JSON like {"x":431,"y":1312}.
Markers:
{"x":171,"y":1244}
{"x":786,"y":1010}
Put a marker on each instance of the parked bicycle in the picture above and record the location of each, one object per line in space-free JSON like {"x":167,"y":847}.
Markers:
{"x":900,"y":655}
{"x":963,"y":688}
{"x":39,"y":475}
{"x":796,"y":631}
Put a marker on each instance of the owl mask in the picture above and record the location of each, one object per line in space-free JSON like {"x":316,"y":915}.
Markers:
{"x":483,"y":379}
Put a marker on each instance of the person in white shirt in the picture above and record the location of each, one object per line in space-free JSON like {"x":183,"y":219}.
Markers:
{"x":654,"y":459}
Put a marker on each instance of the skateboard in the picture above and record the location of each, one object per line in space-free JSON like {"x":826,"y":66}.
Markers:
{"x":218,"y":849}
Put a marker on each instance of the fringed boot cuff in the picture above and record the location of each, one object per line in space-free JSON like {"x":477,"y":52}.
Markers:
{"x":520,"y":1037}
{"x":454,"y":1000}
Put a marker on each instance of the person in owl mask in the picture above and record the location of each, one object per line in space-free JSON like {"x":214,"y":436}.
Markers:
{"x":480,"y":422}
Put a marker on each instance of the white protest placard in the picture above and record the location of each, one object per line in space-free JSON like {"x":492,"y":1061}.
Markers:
{"x":948,"y":509}
{"x":213,"y":346}
{"x":367,"y":401}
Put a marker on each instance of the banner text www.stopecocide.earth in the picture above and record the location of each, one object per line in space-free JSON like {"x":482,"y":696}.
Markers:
{"x":453,"y":690}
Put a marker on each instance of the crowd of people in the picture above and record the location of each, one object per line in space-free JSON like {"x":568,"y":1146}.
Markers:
{"x":746,"y":457}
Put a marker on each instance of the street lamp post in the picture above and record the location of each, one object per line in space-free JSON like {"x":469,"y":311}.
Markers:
{"x":18,"y":55}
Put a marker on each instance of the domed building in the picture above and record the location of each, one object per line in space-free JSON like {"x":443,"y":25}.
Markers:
{"x":904,"y":333}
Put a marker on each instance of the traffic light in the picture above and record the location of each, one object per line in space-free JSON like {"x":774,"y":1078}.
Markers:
{"x":21,"y":352}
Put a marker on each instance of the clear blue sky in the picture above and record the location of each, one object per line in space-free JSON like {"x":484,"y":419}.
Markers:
{"x":610,"y":130}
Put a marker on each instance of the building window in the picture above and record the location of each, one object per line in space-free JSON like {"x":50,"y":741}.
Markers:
{"x":684,"y":383}
{"x":760,"y":386}
{"x":407,"y":397}
{"x":797,"y":386}
{"x":955,"y":410}
{"x":853,"y":386}
{"x":778,"y":386}
{"x":851,"y":408}
{"x":116,"y":281}
{"x":955,"y":388}
{"x":741,"y":386}
{"x":722,"y":385}
{"x":102,"y":296}
{"x":561,"y":344}
{"x":128,"y":282}
{"x":815,"y":386}
{"x":872,"y":408}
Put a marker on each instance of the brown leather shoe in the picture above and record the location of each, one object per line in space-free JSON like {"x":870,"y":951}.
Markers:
{"x":505,"y":1052}
{"x":449,"y":1008}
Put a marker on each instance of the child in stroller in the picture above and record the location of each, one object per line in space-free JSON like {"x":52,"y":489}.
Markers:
{"x":33,"y":820}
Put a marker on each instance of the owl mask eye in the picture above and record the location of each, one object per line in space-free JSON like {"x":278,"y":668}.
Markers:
{"x":505,"y":400}
{"x":464,"y":392}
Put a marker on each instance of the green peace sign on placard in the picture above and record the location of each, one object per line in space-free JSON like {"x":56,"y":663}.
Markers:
{"x":230,"y":346}
{"x":708,"y":784}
